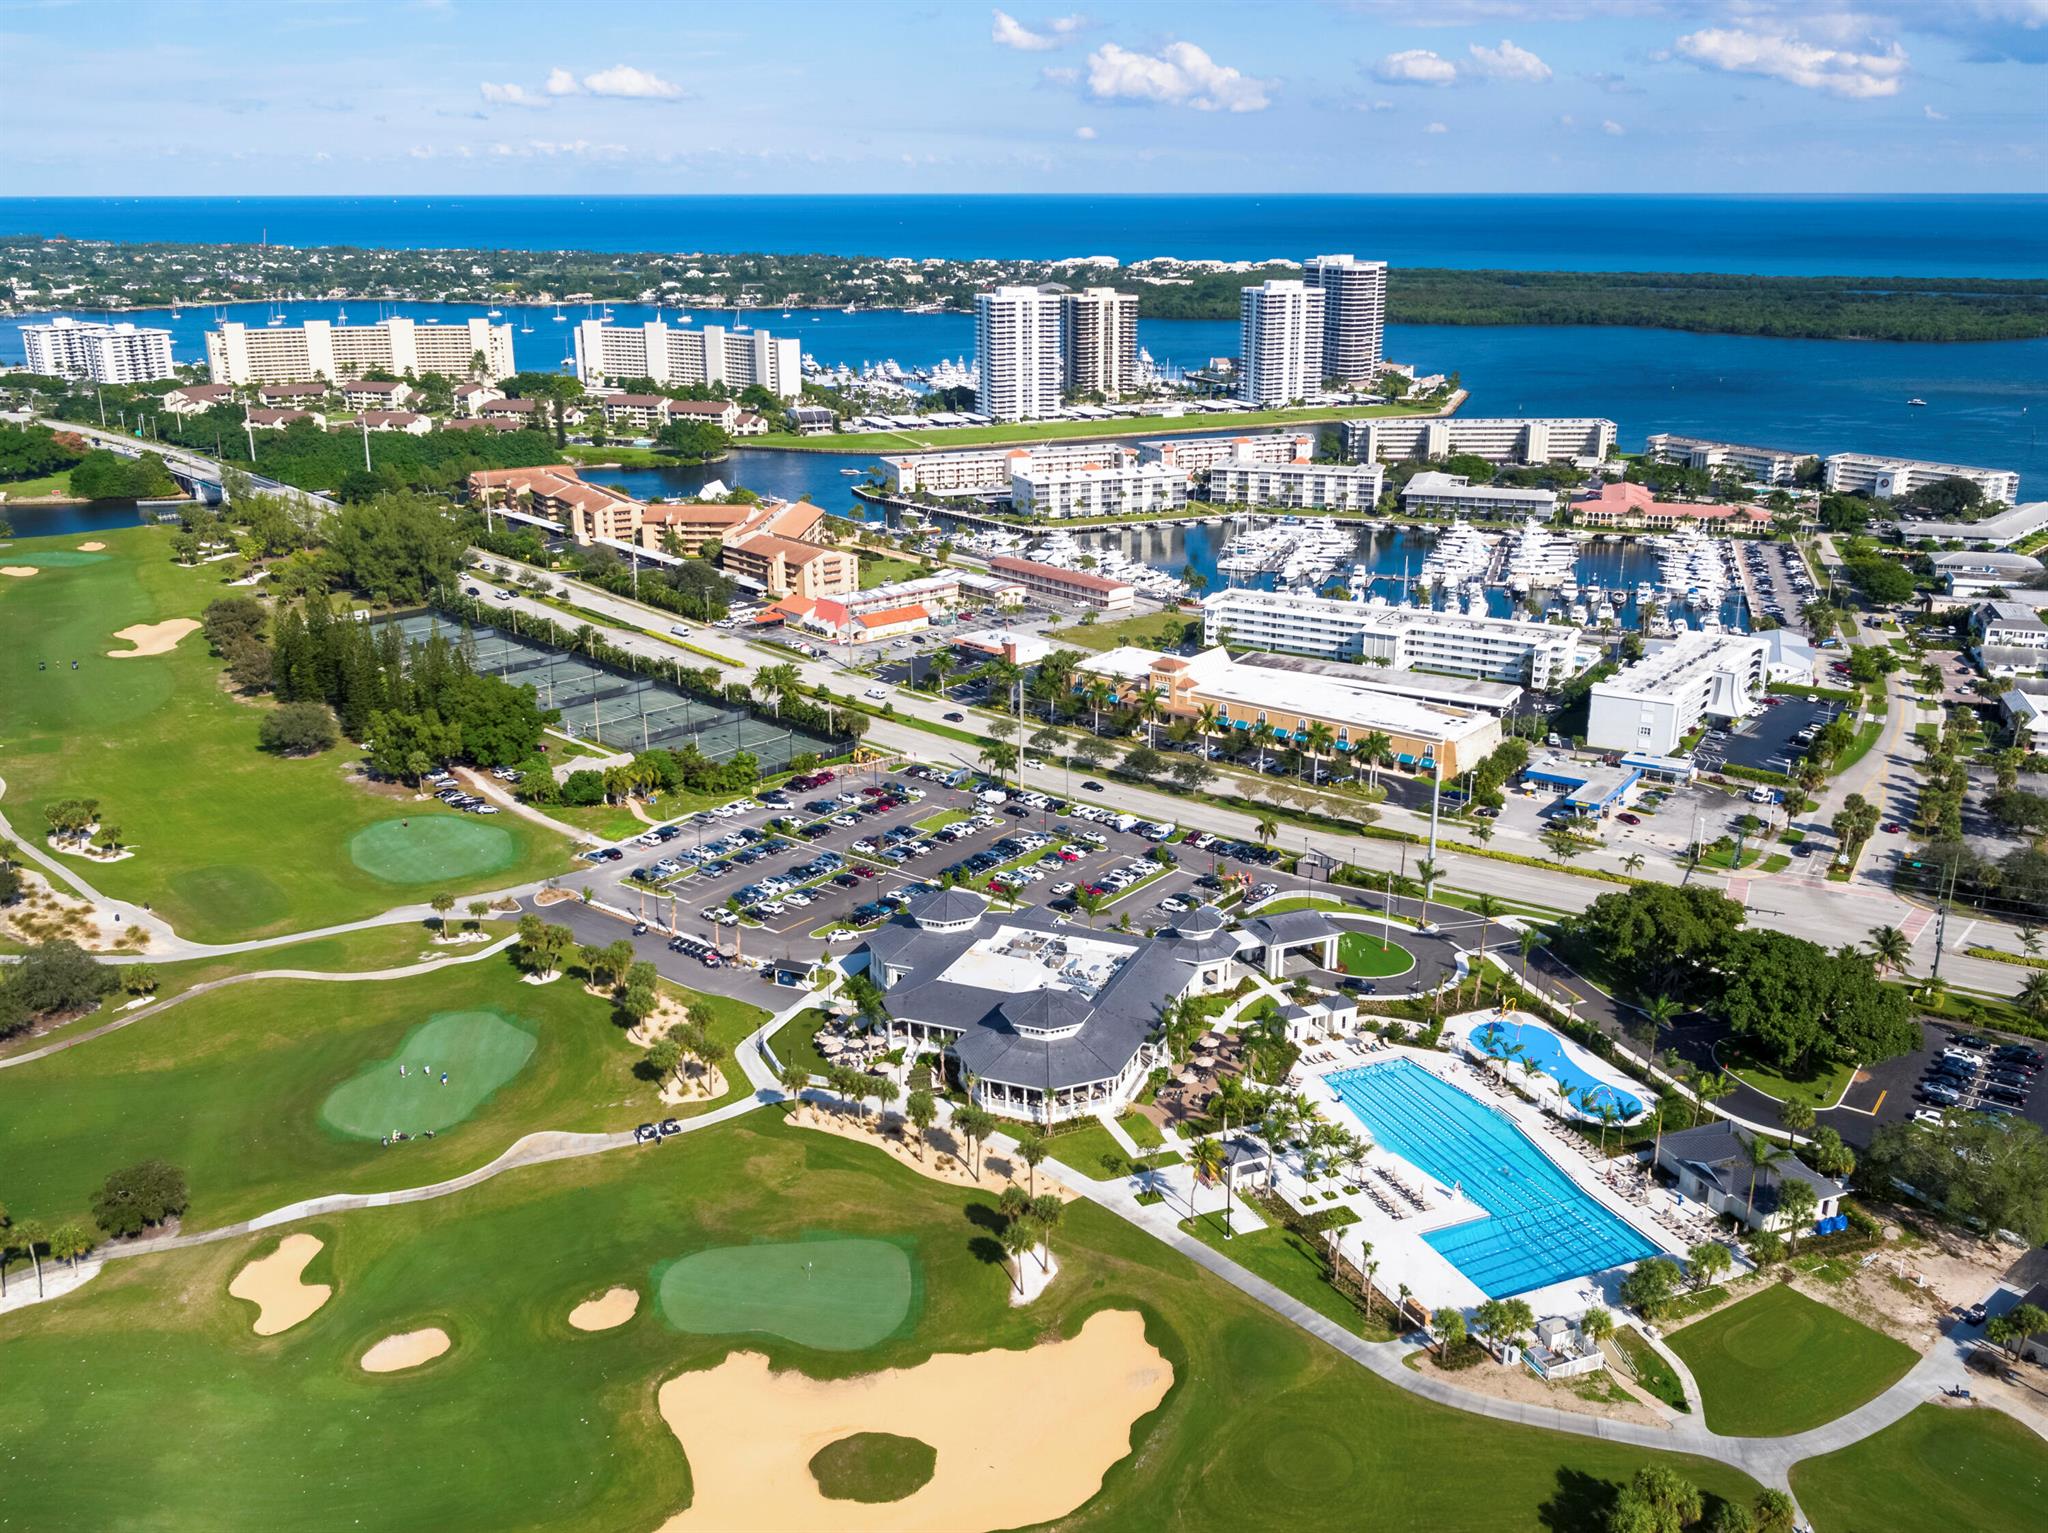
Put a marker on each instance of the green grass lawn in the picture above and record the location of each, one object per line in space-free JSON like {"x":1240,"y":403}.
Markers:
{"x":230,"y":842}
{"x":232,"y":1087}
{"x":1822,"y":1089}
{"x":939,"y":437}
{"x":1288,"y":1262}
{"x":1778,"y":1362}
{"x":881,"y":570}
{"x":834,"y":1295}
{"x":1143,"y":1131}
{"x":873,"y":1466}
{"x":55,"y":486}
{"x":1935,"y":1471}
{"x":1364,"y":953}
{"x":1090,"y":1151}
{"x":1262,"y":1427}
{"x":1148,"y":631}
{"x":942,"y":819}
{"x":1652,"y":1372}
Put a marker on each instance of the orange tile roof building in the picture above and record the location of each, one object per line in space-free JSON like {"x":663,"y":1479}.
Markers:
{"x":1077,"y":588}
{"x":1621,"y":504}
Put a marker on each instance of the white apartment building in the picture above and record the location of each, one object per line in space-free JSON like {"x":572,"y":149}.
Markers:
{"x":1759,"y":465}
{"x":1651,"y":705}
{"x":1498,"y":440}
{"x":122,"y":353}
{"x":1116,"y":488}
{"x":1850,"y":472}
{"x":1199,"y":454}
{"x":1019,"y":362}
{"x":1456,"y":495}
{"x":2008,"y":625}
{"x":1099,"y":341}
{"x":1354,"y":316}
{"x":1280,"y":343}
{"x":1999,"y":531}
{"x":319,"y":349}
{"x":988,"y":470}
{"x":1536,"y":655}
{"x":1295,"y":486}
{"x":680,"y":354}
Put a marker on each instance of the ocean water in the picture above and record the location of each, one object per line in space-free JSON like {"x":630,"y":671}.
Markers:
{"x":1880,"y":236}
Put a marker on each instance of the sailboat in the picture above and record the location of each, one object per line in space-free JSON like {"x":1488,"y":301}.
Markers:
{"x":526,"y":328}
{"x":494,"y":314}
{"x":560,"y":317}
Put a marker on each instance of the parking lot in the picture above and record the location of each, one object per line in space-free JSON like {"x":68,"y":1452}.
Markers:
{"x":1898,"y":1088}
{"x":1768,"y":742}
{"x":1777,"y":577}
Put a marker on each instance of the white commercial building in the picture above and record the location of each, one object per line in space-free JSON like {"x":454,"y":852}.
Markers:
{"x":1295,"y":486}
{"x":1974,"y":572}
{"x":1759,"y":465}
{"x":989,"y":470}
{"x":1280,"y":343}
{"x":1498,"y":440}
{"x":1018,"y":359}
{"x":1354,"y":316}
{"x":1118,"y":487}
{"x":320,"y":350}
{"x":2000,"y":531}
{"x":1653,"y":704}
{"x":1537,"y":655}
{"x":680,"y":354}
{"x":1099,"y":341}
{"x":1456,"y":495}
{"x":122,"y":353}
{"x":1851,"y":472}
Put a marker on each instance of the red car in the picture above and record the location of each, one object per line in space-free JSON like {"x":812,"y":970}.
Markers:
{"x":1894,"y":828}
{"x":1630,"y":819}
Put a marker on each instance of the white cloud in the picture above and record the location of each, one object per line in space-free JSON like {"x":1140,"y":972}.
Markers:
{"x":512,"y":95}
{"x":631,"y":83}
{"x":1009,"y":32}
{"x":1507,"y":62}
{"x":1084,"y":133}
{"x":1436,"y":127}
{"x":562,"y":83}
{"x":1180,"y":74}
{"x":1934,"y":116}
{"x":1416,"y":66}
{"x":1612,"y":128}
{"x":1781,"y":56}
{"x":1060,"y":74}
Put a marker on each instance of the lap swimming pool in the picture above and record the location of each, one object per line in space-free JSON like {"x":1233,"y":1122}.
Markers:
{"x":1547,"y":1052}
{"x":1540,"y":1227}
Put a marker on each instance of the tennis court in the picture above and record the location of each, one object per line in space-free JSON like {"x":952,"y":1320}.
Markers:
{"x":607,"y":707}
{"x":832,"y":1293}
{"x":404,"y":1093}
{"x":431,"y":847}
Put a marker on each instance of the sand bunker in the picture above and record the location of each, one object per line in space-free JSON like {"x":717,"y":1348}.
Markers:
{"x":611,"y":1308}
{"x":18,"y":571}
{"x":90,"y":548}
{"x":273,"y":1285}
{"x":408,"y":1349}
{"x":1066,"y":1416}
{"x":153,"y":638}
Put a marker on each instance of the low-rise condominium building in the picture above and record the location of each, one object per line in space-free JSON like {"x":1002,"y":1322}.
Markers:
{"x":1850,"y":473}
{"x":1653,"y":704}
{"x":1071,"y":588}
{"x":1619,"y":503}
{"x":1758,"y":465}
{"x":1537,"y":655}
{"x":1431,"y":493}
{"x":319,"y":349}
{"x":1300,"y":486}
{"x":2000,"y":530}
{"x":1119,"y":486}
{"x":1396,"y":439}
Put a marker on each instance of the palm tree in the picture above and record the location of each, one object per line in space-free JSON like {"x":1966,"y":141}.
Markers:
{"x":1375,"y":750}
{"x":1209,"y":723}
{"x":1045,"y":1213}
{"x":1632,"y":864}
{"x":1763,"y":1153}
{"x":977,"y":1123}
{"x":1266,"y":828}
{"x":1488,"y":909}
{"x":939,"y":667}
{"x":1149,"y":710}
{"x":1321,"y":741}
{"x":922,"y":1109}
{"x":793,"y":1080}
{"x":1016,"y":1241}
{"x":1098,"y":692}
{"x":1427,"y":870}
{"x":1278,"y":1124}
{"x":1660,"y":1010}
{"x":1033,"y":1147}
{"x":28,"y":1238}
{"x":1889,"y":949}
{"x":1528,"y":942}
{"x":1208,"y":1158}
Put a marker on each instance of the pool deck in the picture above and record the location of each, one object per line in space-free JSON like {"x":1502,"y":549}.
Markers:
{"x":1461,"y":1032}
{"x":1398,"y":1243}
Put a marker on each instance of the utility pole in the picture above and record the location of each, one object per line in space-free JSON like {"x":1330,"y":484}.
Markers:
{"x":1941,"y":920}
{"x":366,"y":442}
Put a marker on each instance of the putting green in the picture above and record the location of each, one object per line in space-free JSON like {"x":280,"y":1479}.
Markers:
{"x":431,"y":848}
{"x":833,"y":1294}
{"x":1362,"y":953}
{"x":479,"y":1050}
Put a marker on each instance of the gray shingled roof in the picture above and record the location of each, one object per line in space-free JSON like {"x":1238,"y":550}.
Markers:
{"x":1718,"y":1151}
{"x":1291,"y":926}
{"x":948,"y":905}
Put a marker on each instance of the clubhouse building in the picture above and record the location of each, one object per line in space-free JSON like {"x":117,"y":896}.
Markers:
{"x":1050,"y":1021}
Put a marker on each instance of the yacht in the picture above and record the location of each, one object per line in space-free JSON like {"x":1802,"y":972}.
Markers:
{"x":494,"y":314}
{"x":1460,"y":553}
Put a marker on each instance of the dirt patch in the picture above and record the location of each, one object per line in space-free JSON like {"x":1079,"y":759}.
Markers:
{"x":1520,"y":1385}
{"x":1068,"y":1407}
{"x":18,"y":571}
{"x":408,"y":1349}
{"x":614,"y":1307}
{"x":273,"y":1284}
{"x":555,"y":896}
{"x":946,"y":1159}
{"x":90,"y":548}
{"x":44,"y":912}
{"x":154,"y":638}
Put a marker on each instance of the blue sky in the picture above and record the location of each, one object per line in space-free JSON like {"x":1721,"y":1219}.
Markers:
{"x":423,"y":96}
